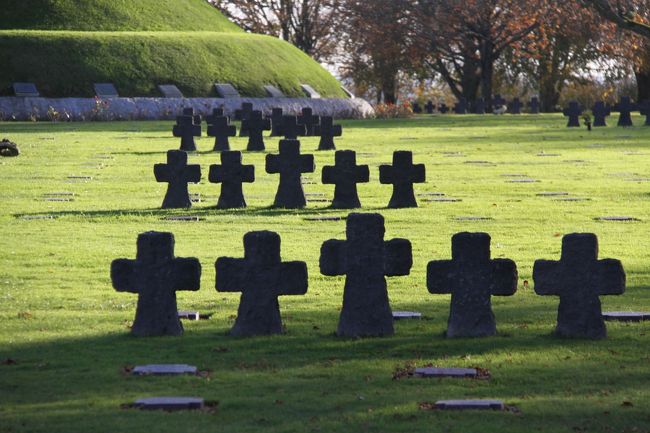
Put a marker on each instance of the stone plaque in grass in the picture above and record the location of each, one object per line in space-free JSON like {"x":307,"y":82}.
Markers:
{"x":617,"y":218}
{"x":25,"y":90}
{"x":431,"y":194}
{"x":225,"y":90}
{"x":626,"y":316}
{"x":552,"y":194}
{"x":470,"y":405}
{"x":522,"y":180}
{"x":170,"y":403}
{"x":193,"y":315}
{"x":105,"y":90}
{"x":445,"y":372}
{"x":58,"y":199}
{"x":170,"y":91}
{"x":74,"y":177}
{"x":38,"y":217}
{"x":192,"y":218}
{"x":473,"y":218}
{"x":405,"y":315}
{"x":325,"y":218}
{"x":164,"y":369}
{"x":543,"y":154}
{"x":477,"y":162}
{"x":572,"y":199}
{"x":443,"y":200}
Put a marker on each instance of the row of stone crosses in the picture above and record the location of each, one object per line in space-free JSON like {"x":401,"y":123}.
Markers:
{"x":253,"y":125}
{"x":601,"y":111}
{"x":365,"y":258}
{"x":497,"y":105}
{"x":289,"y":164}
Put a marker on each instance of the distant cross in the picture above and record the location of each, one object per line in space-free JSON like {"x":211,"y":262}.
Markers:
{"x":415,"y":106}
{"x":402,"y":174}
{"x":443,"y":108}
{"x":498,"y":101}
{"x":625,"y":108}
{"x":276,"y":122}
{"x":231,"y":174}
{"x":479,"y":106}
{"x":644,"y":107}
{"x":345,"y":174}
{"x":187,"y":129}
{"x":579,"y":278}
{"x":573,"y":112}
{"x":291,"y":129}
{"x":600,"y":111}
{"x":221,"y":130}
{"x":429,"y":107}
{"x":177,"y":174}
{"x":216,"y":113}
{"x":155,"y":275}
{"x":472,"y":278}
{"x":533,"y":105}
{"x":461,"y":106}
{"x":256,"y":125}
{"x":290,"y":164}
{"x":242,"y":114}
{"x":515,"y":106}
{"x":261,"y":277}
{"x":365,"y":259}
{"x":327,"y":131}
{"x":309,"y":120}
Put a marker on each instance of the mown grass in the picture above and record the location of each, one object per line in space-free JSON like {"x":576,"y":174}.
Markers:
{"x":67,"y":329}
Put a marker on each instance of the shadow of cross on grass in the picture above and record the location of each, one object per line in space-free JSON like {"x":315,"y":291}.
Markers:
{"x":177,"y":174}
{"x":261,"y":277}
{"x":155,"y":275}
{"x":472,"y":278}
{"x":579,"y":278}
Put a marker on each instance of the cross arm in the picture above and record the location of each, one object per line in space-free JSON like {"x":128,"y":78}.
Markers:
{"x":440,"y":276}
{"x":272,"y":164}
{"x":161,"y":171}
{"x":123,"y":275}
{"x":193,"y":173}
{"x":307,"y":164}
{"x":398,"y":257}
{"x":610,"y":277}
{"x":248,"y":173}
{"x":294,"y":279}
{"x":337,"y":130}
{"x":186,"y":273}
{"x":363,"y":173}
{"x":419,"y":173}
{"x":385,"y":174}
{"x":215,"y":174}
{"x":329,"y":174}
{"x":547,"y":276}
{"x":332,"y":258}
{"x":504,"y":277}
{"x":230,"y":274}
{"x":196,"y":130}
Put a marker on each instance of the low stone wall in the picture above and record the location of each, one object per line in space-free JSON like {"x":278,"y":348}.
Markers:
{"x":79,"y":109}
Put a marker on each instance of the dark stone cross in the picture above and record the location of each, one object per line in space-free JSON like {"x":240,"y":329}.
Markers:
{"x":327,"y":131}
{"x":290,"y":164}
{"x":309,"y":120}
{"x":276,"y":122}
{"x":402,"y":174}
{"x":291,"y":129}
{"x":216,"y":113}
{"x":231,"y":174}
{"x":189,"y":111}
{"x":573,"y":112}
{"x":177,"y":174}
{"x":242,"y":114}
{"x":533,"y":105}
{"x":365,"y":259}
{"x":479,"y":106}
{"x":186,"y":128}
{"x":442,"y":108}
{"x":600,"y":111}
{"x":429,"y":107}
{"x":256,"y":125}
{"x":415,"y":106}
{"x":461,"y":106}
{"x":579,"y":278}
{"x":498,"y":101}
{"x":345,"y":174}
{"x":261,"y":277}
{"x":515,"y":106}
{"x":625,"y":108}
{"x":644,"y":107}
{"x":221,"y":129}
{"x":155,"y":275}
{"x":472,"y":278}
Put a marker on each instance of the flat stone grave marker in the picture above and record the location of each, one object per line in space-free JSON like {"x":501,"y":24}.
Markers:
{"x":473,"y":218}
{"x":170,"y":403}
{"x":25,"y":90}
{"x":170,"y":91}
{"x":75,"y":177}
{"x":309,"y":91}
{"x":314,"y":194}
{"x":405,"y":315}
{"x":617,"y":218}
{"x":470,"y":405}
{"x":57,"y":199}
{"x":573,"y":112}
{"x":195,"y":197}
{"x":191,"y":218}
{"x":345,"y":175}
{"x":625,"y":108}
{"x":638,"y":179}
{"x":365,"y":259}
{"x":572,"y":199}
{"x":477,"y":162}
{"x":38,"y":217}
{"x":626,"y":316}
{"x":442,"y":200}
{"x":522,"y":180}
{"x":445,"y":372}
{"x":273,"y":92}
{"x":105,"y":90}
{"x":327,"y":131}
{"x":453,"y":154}
{"x":177,"y":173}
{"x":325,"y":218}
{"x":289,"y":164}
{"x":542,"y":154}
{"x":225,"y":90}
{"x":163,"y":370}
{"x":193,"y":315}
{"x":552,"y":194}
{"x":431,"y":194}
{"x":402,"y":174}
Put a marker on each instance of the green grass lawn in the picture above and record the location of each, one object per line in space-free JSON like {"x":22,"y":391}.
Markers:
{"x":68,"y":330}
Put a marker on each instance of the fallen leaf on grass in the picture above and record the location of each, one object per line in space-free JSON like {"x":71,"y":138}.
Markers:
{"x":406,"y":370}
{"x":126,"y":369}
{"x":221,"y":349}
{"x":427,"y":405}
{"x":627,"y":403}
{"x":9,"y":361}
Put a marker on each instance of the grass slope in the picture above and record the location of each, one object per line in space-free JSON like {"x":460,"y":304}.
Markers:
{"x":67,"y":329}
{"x":113,"y":15}
{"x":137,"y":61}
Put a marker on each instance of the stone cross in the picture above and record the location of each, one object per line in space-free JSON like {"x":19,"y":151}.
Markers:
{"x":221,"y":129}
{"x":472,"y":278}
{"x":177,"y":174}
{"x":625,"y":108}
{"x":365,"y":259}
{"x":155,"y":275}
{"x":345,"y":174}
{"x":216,"y":113}
{"x":242,"y":114}
{"x":515,"y":106}
{"x":461,"y":106}
{"x":600,"y":111}
{"x":479,"y":106}
{"x":290,"y":164}
{"x":187,"y":129}
{"x":498,"y":101}
{"x":256,"y":125}
{"x":261,"y":277}
{"x":415,"y":106}
{"x":276,"y":122}
{"x":309,"y":120}
{"x":231,"y":174}
{"x":443,"y":108}
{"x":644,"y":107}
{"x":291,"y":129}
{"x":579,"y":278}
{"x":533,"y":105}
{"x":429,"y":107}
{"x":327,"y":131}
{"x":402,"y":174}
{"x":189,"y":111}
{"x":573,"y":112}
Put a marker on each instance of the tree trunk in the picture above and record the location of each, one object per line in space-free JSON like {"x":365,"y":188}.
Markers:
{"x":643,"y":85}
{"x":389,"y":88}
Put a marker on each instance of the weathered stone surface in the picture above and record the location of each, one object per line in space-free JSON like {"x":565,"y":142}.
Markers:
{"x":170,"y":91}
{"x":404,"y":315}
{"x":273,"y":92}
{"x":625,"y":108}
{"x":327,"y":131}
{"x":105,"y":90}
{"x":626,"y":316}
{"x":309,"y":91}
{"x":225,"y":90}
{"x":231,"y":174}
{"x":291,"y":129}
{"x":345,"y":174}
{"x":445,"y":372}
{"x":186,"y":128}
{"x":534,"y":105}
{"x":8,"y":148}
{"x":470,"y":404}
{"x":221,"y":129}
{"x":600,"y":111}
{"x":402,"y":175}
{"x":309,"y":121}
{"x":177,"y":174}
{"x":255,"y":124}
{"x":573,"y":112}
{"x":261,"y":277}
{"x":155,"y":275}
{"x":170,"y":403}
{"x":289,"y":163}
{"x":25,"y":90}
{"x":163,"y":369}
{"x":472,"y":278}
{"x":365,"y":259}
{"x":579,"y":278}
{"x":189,"y":315}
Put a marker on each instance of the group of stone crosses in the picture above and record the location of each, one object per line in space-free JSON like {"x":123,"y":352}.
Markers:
{"x":601,"y":111}
{"x":497,"y":105}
